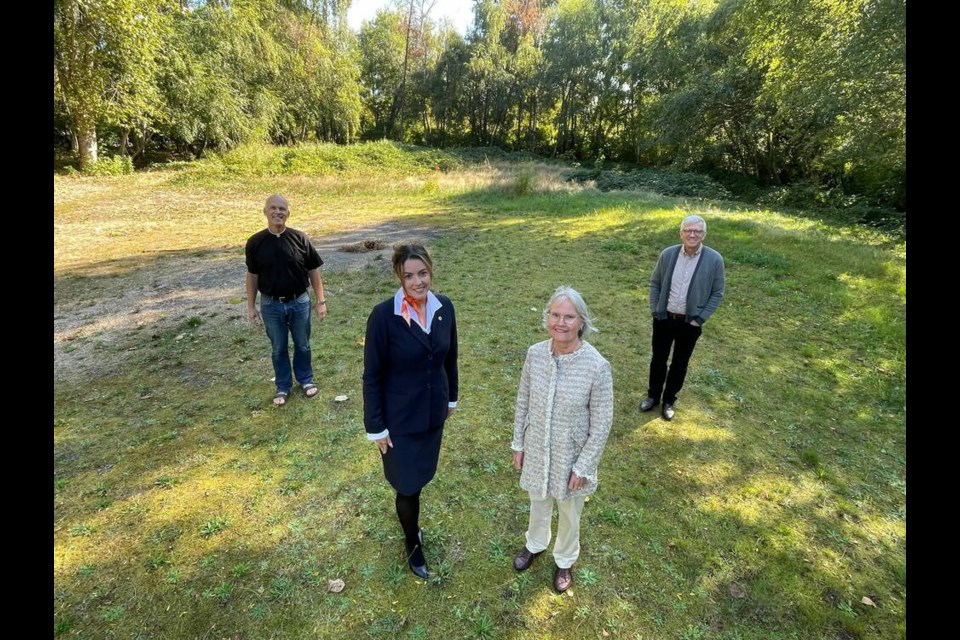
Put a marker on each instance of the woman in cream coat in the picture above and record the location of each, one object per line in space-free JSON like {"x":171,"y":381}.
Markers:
{"x":563,"y":416}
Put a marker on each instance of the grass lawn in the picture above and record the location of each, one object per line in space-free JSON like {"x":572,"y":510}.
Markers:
{"x":186,"y":506}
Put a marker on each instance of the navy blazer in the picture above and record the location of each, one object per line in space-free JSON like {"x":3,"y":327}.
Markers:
{"x":409,"y":376}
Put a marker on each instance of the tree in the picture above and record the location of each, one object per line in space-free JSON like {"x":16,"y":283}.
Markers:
{"x":219,"y":82}
{"x":382,"y":43}
{"x":107,"y":54}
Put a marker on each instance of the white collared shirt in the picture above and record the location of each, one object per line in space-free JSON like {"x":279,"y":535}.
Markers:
{"x":680,"y":280}
{"x":433,"y":305}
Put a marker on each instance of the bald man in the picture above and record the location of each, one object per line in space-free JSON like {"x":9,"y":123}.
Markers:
{"x":282,"y":266}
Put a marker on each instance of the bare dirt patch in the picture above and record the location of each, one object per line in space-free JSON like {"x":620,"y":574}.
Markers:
{"x":97,"y":306}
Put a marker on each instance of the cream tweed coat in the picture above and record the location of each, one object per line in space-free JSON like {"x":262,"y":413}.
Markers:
{"x":563,"y":417}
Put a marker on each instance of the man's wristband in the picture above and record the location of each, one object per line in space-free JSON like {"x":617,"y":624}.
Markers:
{"x":321,"y":302}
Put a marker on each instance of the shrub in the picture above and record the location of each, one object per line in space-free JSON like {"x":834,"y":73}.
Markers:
{"x":662,"y":181}
{"x":111,"y":166}
{"x":525,"y":181}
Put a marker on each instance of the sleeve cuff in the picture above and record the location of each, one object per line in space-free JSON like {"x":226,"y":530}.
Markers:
{"x":378,"y":436}
{"x":452,"y":405}
{"x":589,"y":477}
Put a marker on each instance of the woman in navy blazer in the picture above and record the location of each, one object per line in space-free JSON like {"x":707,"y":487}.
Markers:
{"x":410,"y":386}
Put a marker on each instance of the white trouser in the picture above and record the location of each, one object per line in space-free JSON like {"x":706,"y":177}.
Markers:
{"x":566,"y":549}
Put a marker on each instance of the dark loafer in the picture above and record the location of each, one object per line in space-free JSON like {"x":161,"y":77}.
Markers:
{"x":524,"y":558}
{"x":562,"y":579}
{"x":648,"y":403}
{"x":667,"y":412}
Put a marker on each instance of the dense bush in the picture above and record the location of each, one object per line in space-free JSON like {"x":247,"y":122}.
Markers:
{"x":108,"y":166}
{"x":314,"y":159}
{"x":832,"y":201}
{"x":665,"y":182}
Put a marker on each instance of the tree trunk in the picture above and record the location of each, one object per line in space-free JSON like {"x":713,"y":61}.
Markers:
{"x":87,"y":146}
{"x":140,"y":141}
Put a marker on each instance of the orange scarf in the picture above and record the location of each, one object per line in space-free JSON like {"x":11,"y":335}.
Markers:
{"x":418,"y":306}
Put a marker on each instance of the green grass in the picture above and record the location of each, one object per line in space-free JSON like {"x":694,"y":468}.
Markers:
{"x":186,"y":506}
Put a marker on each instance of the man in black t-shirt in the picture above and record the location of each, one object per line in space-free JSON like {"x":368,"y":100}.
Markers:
{"x":282,"y":265}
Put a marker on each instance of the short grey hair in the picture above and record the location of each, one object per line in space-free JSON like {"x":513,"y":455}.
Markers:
{"x":565,"y":292}
{"x":693,"y":218}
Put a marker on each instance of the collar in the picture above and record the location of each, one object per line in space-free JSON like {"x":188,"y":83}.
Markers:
{"x":433,"y":305}
{"x":683,"y":251}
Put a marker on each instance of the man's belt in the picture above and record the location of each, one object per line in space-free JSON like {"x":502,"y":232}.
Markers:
{"x":285,"y":298}
{"x":676,"y":316}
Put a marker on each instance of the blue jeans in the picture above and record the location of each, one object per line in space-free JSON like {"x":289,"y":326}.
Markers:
{"x":280,"y":318}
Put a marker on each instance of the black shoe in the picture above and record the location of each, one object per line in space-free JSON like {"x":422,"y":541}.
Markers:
{"x":414,"y":556}
{"x":648,"y":403}
{"x":418,"y":564}
{"x":524,"y":558}
{"x":667,"y":411}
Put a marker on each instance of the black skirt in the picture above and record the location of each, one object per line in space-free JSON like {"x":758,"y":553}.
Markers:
{"x":412,"y":462}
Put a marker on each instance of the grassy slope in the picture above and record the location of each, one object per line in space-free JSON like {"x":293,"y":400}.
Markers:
{"x":186,"y":507}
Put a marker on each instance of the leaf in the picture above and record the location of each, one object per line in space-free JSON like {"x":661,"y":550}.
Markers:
{"x":867,"y":601}
{"x":335,"y":586}
{"x":340,"y":399}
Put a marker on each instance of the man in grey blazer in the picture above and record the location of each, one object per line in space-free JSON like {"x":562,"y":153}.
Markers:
{"x":686,"y":287}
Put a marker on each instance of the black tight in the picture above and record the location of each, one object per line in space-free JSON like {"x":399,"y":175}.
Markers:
{"x":408,"y":510}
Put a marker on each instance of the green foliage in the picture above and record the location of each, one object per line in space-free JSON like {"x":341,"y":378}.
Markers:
{"x":363,"y":159}
{"x":382,"y":43}
{"x":61,"y":625}
{"x":773,"y":262}
{"x":111,"y":166}
{"x":111,"y":614}
{"x":778,"y":92}
{"x":810,"y":458}
{"x":214,"y":526}
{"x":107,"y":57}
{"x":525,"y":181}
{"x":620,"y":245}
{"x":670,"y":183}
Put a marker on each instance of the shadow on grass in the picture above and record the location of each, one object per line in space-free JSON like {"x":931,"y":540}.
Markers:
{"x":183,"y":500}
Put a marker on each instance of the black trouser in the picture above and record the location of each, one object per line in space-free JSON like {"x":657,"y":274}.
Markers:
{"x":680,"y":335}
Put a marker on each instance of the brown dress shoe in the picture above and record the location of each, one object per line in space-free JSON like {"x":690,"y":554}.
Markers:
{"x":524,"y":558}
{"x":562,"y":579}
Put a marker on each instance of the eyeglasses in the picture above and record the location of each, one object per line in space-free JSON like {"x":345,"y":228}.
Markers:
{"x":694,"y":232}
{"x":557,"y":318}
